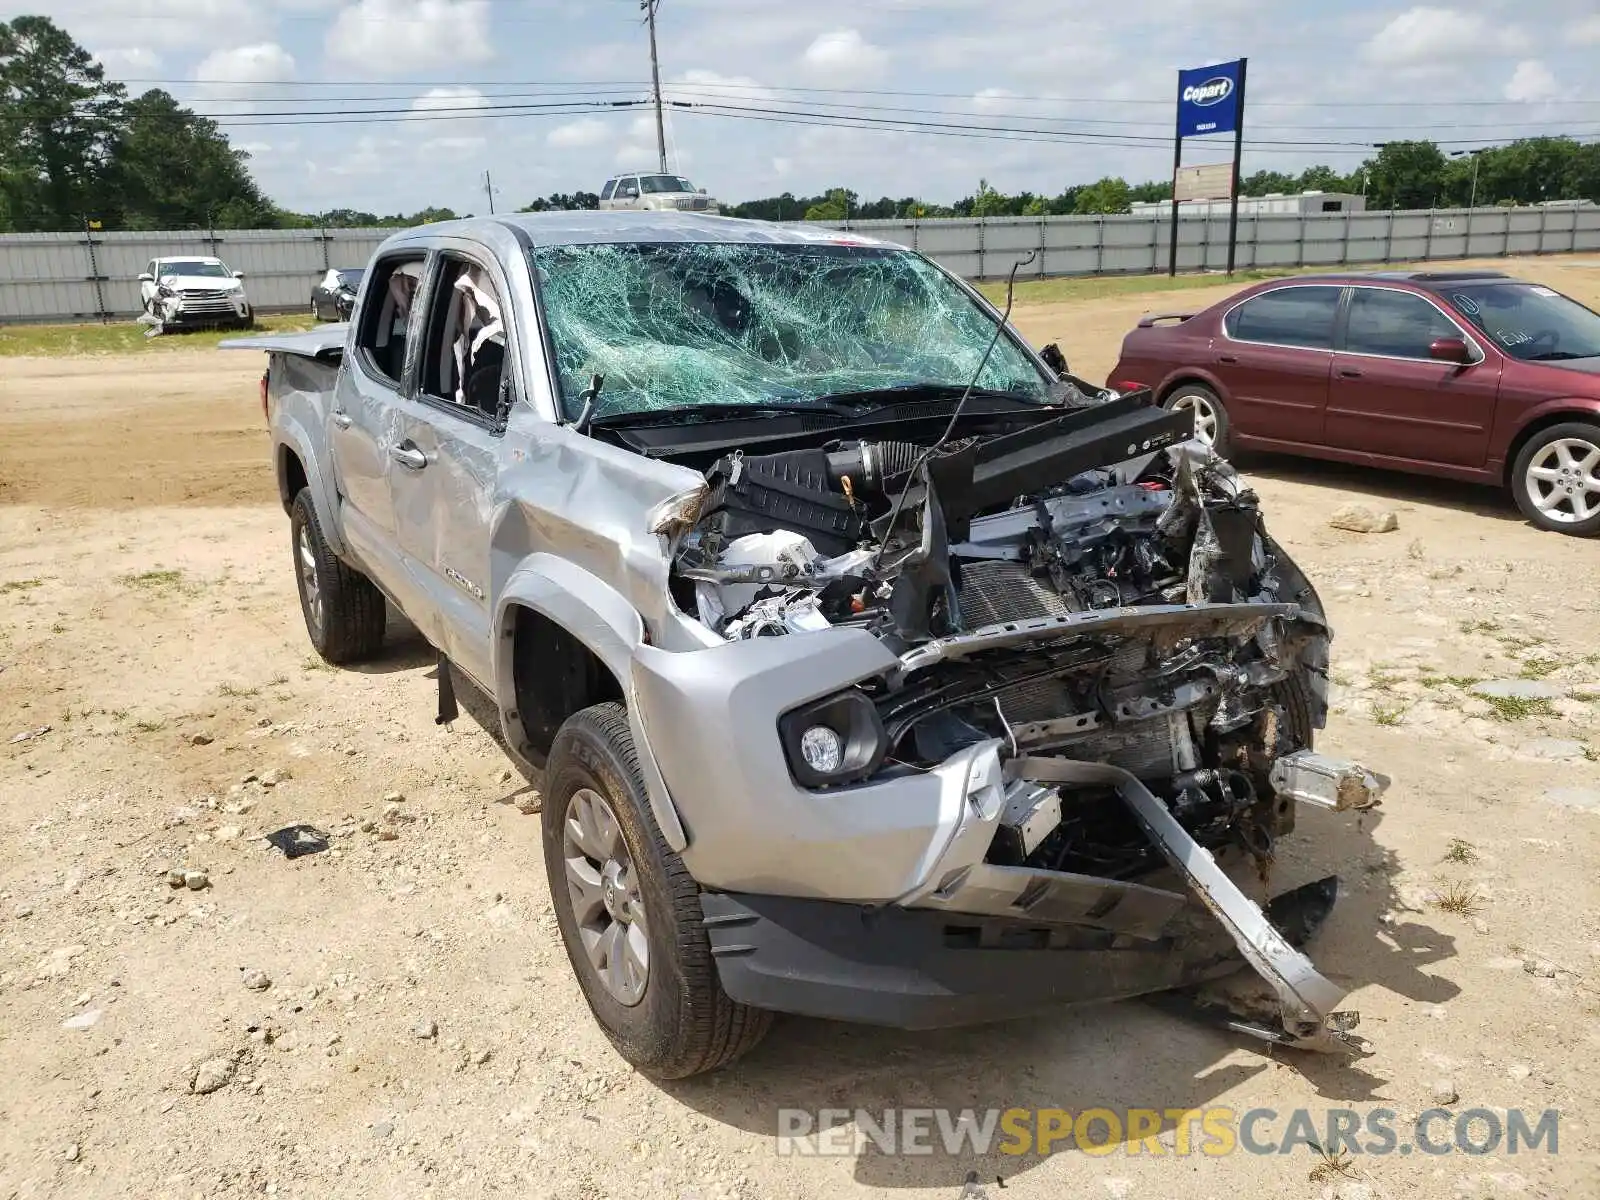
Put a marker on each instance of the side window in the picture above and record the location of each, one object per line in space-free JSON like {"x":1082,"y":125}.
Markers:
{"x":628,"y":189}
{"x":386,"y":314}
{"x":464,"y":357}
{"x":1396,"y":324}
{"x":605,"y":192}
{"x":1290,"y":316}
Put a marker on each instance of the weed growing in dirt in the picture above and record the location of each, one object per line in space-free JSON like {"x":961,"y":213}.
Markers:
{"x":1518,"y":708}
{"x":153,"y":579}
{"x":1538,"y":668}
{"x":1332,"y":1164}
{"x":1460,"y":851}
{"x":234,"y":692}
{"x":1459,"y":899}
{"x":1590,"y":753}
{"x":313,"y":663}
{"x":1479,"y":626}
{"x":58,"y":627}
{"x":1383,"y":682}
{"x":18,"y":585}
{"x":149,"y":726}
{"x":1415,"y":551}
{"x":1386,"y":714}
{"x":1517,"y":643}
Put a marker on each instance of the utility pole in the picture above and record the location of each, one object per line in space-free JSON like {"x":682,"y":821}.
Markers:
{"x":488,"y":190}
{"x":650,"y":7}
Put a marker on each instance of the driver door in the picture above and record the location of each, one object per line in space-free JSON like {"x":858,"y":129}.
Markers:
{"x":1389,"y":397}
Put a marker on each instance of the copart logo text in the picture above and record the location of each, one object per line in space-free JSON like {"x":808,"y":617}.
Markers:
{"x":1212,"y":91}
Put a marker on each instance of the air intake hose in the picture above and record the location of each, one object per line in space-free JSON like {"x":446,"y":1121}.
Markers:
{"x":872,"y":465}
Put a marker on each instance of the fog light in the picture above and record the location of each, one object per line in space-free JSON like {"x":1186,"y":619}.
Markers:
{"x":822,"y":748}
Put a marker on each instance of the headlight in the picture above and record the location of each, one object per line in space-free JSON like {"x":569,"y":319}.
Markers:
{"x":833,"y":741}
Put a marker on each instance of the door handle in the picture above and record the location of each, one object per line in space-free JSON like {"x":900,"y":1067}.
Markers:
{"x":342,"y":419}
{"x":1349,"y":373}
{"x":408,"y":456}
{"x":1227,"y":358}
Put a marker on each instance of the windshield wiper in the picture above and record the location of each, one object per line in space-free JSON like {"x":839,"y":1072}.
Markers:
{"x":1554,"y":355}
{"x":720,"y":412}
{"x":898,"y":393}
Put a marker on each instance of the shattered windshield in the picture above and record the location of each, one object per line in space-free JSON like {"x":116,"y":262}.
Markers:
{"x":1535,"y":324}
{"x":186,"y":266}
{"x":679,"y":325}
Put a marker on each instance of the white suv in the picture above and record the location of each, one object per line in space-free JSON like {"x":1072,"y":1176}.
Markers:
{"x":656,"y":192}
{"x":193,"y":290}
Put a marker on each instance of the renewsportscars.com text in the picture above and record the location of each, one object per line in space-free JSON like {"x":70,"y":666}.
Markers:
{"x":1214,"y":1132}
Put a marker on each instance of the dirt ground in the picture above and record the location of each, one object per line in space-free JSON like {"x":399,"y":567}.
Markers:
{"x":152,"y":652}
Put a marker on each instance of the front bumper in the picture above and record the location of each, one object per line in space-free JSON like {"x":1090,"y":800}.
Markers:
{"x":921,"y":969}
{"x":184,"y":310}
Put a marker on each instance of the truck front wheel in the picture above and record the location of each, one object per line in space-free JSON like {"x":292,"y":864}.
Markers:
{"x":629,"y":911}
{"x":344,"y":611}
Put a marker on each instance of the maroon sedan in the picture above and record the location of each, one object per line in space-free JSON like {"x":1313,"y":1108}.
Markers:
{"x":1469,"y":375}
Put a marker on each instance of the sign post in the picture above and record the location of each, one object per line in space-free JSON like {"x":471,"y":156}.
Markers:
{"x":1210,"y":101}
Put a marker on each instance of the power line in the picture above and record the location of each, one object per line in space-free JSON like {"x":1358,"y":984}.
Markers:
{"x":642,"y":85}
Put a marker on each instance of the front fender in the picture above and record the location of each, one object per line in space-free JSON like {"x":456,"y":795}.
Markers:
{"x":1564,"y":407}
{"x":601,"y":618}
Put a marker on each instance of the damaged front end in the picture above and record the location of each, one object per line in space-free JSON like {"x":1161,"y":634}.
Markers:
{"x":1091,"y":603}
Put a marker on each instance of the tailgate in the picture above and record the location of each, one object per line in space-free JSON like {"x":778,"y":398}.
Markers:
{"x":325,"y":344}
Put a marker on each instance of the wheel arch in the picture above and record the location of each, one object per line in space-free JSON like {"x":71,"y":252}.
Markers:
{"x":1551,"y":413}
{"x":565,"y":640}
{"x":1186,"y":376}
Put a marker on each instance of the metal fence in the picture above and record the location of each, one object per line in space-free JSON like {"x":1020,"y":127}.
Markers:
{"x":94,"y":275}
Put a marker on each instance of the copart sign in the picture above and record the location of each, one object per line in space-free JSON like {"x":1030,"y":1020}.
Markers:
{"x":1208,"y":99}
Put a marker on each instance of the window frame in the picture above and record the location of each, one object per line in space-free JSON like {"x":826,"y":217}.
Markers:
{"x":1335,"y":331}
{"x":625,"y":179}
{"x":607,"y":192}
{"x":439,"y":258}
{"x":363,"y":356}
{"x":1344,"y":326}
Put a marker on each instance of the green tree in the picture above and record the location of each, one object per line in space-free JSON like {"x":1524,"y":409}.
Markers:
{"x":176,"y":170}
{"x":1107,"y":195}
{"x":837,"y":205}
{"x":58,"y":121}
{"x":1407,"y":175}
{"x":1155,"y":190}
{"x":1325,"y":179}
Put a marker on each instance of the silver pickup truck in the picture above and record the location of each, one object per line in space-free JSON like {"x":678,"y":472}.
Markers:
{"x":876,"y":667}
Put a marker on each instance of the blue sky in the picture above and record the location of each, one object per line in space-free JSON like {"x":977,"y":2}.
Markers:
{"x":1469,"y":73}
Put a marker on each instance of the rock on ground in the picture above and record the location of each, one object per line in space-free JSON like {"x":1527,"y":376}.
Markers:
{"x":1363,"y":518}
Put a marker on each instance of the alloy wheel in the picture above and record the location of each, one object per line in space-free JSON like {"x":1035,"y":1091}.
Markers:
{"x":310,"y":584}
{"x":1205,"y":416}
{"x":607,"y":904}
{"x":1563,"y":480}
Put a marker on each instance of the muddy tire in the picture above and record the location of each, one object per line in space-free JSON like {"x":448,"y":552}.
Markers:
{"x":1211,"y":424}
{"x":344,"y":612}
{"x":629,"y":912}
{"x":1556,"y":479}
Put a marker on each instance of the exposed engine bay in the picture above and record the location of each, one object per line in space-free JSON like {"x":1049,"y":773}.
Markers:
{"x":1096,"y":590}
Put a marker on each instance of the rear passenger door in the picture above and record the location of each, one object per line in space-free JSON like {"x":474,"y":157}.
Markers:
{"x":1390,"y":397}
{"x":444,"y":481}
{"x":1275,"y":359}
{"x":365,"y":420}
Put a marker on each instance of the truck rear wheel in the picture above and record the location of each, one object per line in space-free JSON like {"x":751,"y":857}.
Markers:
{"x":343,"y":610}
{"x":629,"y":911}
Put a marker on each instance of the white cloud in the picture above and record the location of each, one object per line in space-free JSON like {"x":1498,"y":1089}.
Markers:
{"x":129,"y":62}
{"x":992,"y":99}
{"x":161,"y":24}
{"x":844,"y":54}
{"x":390,"y":37}
{"x":638,"y":150}
{"x":454,"y":101}
{"x":709,"y":85}
{"x":1427,"y":36}
{"x":576,"y":134}
{"x":231,"y":79}
{"x":1531,"y":82}
{"x":1585,"y":32}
